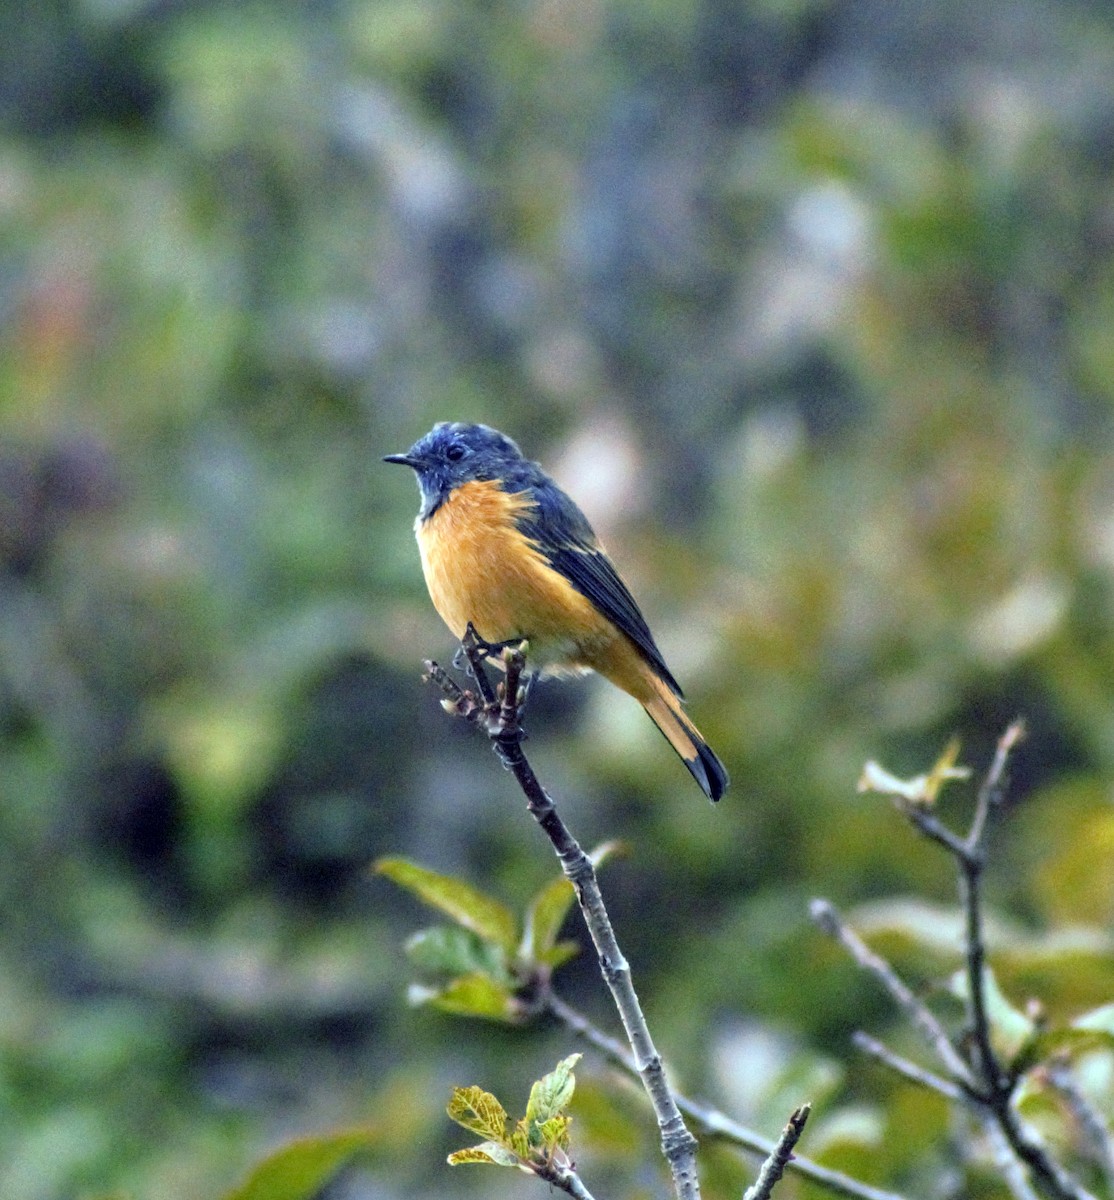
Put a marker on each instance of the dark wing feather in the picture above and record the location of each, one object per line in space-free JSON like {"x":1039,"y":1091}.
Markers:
{"x":562,"y":533}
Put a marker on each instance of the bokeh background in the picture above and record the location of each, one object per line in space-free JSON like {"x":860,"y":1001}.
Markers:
{"x":811,"y":305}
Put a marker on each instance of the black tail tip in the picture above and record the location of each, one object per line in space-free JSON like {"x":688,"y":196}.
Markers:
{"x":709,"y":772}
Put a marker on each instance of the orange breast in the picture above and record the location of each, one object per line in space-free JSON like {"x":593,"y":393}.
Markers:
{"x":480,"y":568}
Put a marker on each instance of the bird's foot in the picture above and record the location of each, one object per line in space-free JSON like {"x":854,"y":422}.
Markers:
{"x":502,"y":704}
{"x":473,"y":646}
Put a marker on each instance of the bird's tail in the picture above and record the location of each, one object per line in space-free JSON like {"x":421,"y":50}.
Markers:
{"x":665,"y":711}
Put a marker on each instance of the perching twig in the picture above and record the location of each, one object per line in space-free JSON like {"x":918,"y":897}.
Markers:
{"x":499,"y":717}
{"x":710,"y":1120}
{"x":774,"y":1166}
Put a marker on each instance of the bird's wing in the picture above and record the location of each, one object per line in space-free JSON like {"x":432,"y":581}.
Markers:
{"x":563,"y":535}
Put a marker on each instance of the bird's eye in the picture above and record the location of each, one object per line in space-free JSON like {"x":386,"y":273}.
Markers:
{"x":455,"y":452}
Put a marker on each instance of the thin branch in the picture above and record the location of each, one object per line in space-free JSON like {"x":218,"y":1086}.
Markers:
{"x":710,"y":1120}
{"x":992,"y":790}
{"x":988,"y":1087}
{"x":1050,"y":1176}
{"x":565,"y":1179}
{"x":997,"y":1085}
{"x":988,"y":1065}
{"x":1092,"y":1126}
{"x":1052,"y":1179}
{"x":499,"y":716}
{"x":970,"y":855}
{"x":774,"y":1166}
{"x":1010,"y":1167}
{"x":924,"y":1019}
{"x":906,"y":1069}
{"x":933,"y":828}
{"x":971,"y":863}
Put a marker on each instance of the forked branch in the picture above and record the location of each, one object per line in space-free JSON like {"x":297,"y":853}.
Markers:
{"x":974,"y":1073}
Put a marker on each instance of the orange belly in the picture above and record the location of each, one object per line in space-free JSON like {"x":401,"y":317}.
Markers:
{"x":480,"y":568}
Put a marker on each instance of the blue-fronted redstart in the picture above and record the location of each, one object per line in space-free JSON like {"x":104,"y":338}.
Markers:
{"x":505,"y":549}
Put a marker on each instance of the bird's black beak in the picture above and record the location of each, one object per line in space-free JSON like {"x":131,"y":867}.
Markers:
{"x":406,"y":460}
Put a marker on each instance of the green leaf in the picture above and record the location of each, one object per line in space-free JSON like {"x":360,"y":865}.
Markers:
{"x":605,"y":850}
{"x":520,"y":1141}
{"x":546,"y":912}
{"x":1066,"y":882}
{"x":1099,"y":1019}
{"x":552,"y":1093}
{"x":470,"y":996}
{"x":466,"y":905}
{"x":479,"y":1112}
{"x":559,"y":954}
{"x":450,"y":950}
{"x":1071,"y":969}
{"x":544,"y":917}
{"x":849,"y":1128}
{"x":918,"y":935}
{"x":555,"y":1133}
{"x":609,"y":1119}
{"x":486,"y":1152}
{"x":1010,"y":1028}
{"x":1069,"y":1041}
{"x":302,"y":1168}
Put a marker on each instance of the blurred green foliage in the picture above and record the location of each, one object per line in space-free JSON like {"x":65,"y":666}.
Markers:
{"x":809,"y":304}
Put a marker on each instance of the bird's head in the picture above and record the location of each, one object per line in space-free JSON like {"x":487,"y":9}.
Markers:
{"x":453,"y":453}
